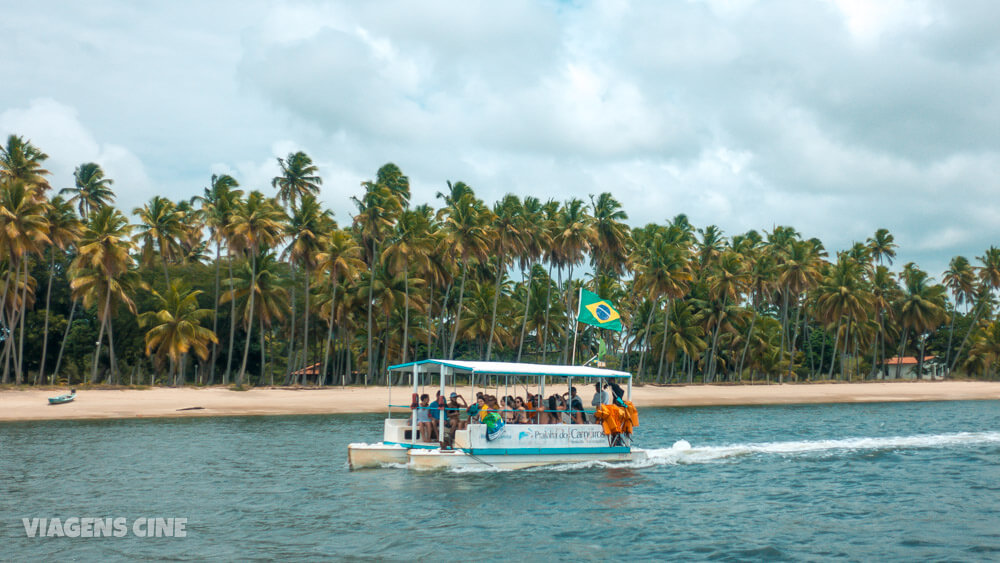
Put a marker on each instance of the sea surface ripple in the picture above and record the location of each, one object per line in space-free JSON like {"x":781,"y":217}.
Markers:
{"x":893,"y":481}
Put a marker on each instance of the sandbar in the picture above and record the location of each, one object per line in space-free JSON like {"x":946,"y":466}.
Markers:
{"x":31,"y":404}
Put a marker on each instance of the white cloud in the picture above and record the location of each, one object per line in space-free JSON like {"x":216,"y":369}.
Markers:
{"x":56,"y":129}
{"x":835,"y":117}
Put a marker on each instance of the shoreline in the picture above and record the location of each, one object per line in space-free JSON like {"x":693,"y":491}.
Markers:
{"x":32,"y":404}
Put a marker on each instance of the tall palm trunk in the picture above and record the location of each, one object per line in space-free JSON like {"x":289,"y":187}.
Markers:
{"x":329,"y":335}
{"x":263,"y":358}
{"x":406,"y":310}
{"x":972,"y":325}
{"x":644,"y":344}
{"x":795,"y":336}
{"x":746,"y":346}
{"x":100,"y":333}
{"x":8,"y":320}
{"x":715,"y":341}
{"x":902,"y":350}
{"x":62,"y":345}
{"x":232,"y":317}
{"x":20,"y":340}
{"x":305,"y":330}
{"x":951,"y":333}
{"x":371,"y":290}
{"x":548,"y":305}
{"x":496,"y":299}
{"x":430,"y":318}
{"x":45,"y":331}
{"x":458,"y":312}
{"x":836,"y":342}
{"x":215,"y":313}
{"x":663,"y":348}
{"x":253,"y":290}
{"x":784,"y":328}
{"x":291,"y":364}
{"x":527,"y":304}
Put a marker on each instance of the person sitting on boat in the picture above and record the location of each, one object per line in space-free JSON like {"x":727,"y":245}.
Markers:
{"x":436,"y":407}
{"x":520,"y":413}
{"x":539,"y":416}
{"x":575,"y":407}
{"x":507,"y":403}
{"x":475,"y":408}
{"x":455,"y":409}
{"x":602,"y":396}
{"x":424,"y":425}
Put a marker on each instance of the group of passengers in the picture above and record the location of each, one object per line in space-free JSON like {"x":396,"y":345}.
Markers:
{"x":532,"y":409}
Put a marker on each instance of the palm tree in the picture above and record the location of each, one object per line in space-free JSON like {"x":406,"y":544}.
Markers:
{"x":299,"y":177}
{"x":303,"y":230}
{"x":339,"y":259}
{"x":411,"y":243}
{"x":91,"y":189}
{"x":922,"y":309}
{"x":989,"y":276}
{"x":378,"y":210}
{"x":466,"y":236}
{"x":260,"y":289}
{"x":23,"y":231}
{"x":726,"y":284}
{"x":159,"y":230}
{"x":611,"y":235}
{"x":20,"y":160}
{"x":175,"y":329}
{"x":960,"y":278}
{"x":64,"y":230}
{"x":574,"y":239}
{"x":99,"y":272}
{"x":842,"y":294}
{"x":534,"y":241}
{"x":217,"y":204}
{"x":256,"y":225}
{"x":663,"y":271}
{"x":798,"y":272}
{"x":882,"y":246}
{"x":508,"y":234}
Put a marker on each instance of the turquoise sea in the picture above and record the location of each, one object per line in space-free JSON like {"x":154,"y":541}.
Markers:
{"x":888,"y":481}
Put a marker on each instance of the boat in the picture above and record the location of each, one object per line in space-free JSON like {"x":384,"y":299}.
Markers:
{"x":516,"y":446}
{"x":63,"y":398}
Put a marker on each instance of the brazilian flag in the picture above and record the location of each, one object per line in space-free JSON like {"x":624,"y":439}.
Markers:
{"x":598,"y":312}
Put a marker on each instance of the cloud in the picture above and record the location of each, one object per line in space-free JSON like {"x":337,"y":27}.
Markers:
{"x":835,"y":117}
{"x":56,"y":129}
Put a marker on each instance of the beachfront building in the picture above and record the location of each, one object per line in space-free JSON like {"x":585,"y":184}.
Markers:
{"x":905,"y":367}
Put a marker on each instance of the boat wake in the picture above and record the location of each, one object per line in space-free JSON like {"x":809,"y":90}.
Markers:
{"x":682,"y":452}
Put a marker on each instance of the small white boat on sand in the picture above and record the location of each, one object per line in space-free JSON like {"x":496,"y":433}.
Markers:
{"x":507,"y":445}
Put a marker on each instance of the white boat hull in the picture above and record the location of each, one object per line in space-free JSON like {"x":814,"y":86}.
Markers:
{"x":438,"y":459}
{"x":360,"y":456}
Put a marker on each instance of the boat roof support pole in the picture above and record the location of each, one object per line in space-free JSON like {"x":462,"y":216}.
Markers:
{"x":415,"y":377}
{"x":441,"y":407}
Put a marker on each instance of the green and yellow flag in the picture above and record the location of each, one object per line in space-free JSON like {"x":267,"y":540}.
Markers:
{"x":598,"y":312}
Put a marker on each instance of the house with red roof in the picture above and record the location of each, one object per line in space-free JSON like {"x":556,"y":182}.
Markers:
{"x":905,"y":367}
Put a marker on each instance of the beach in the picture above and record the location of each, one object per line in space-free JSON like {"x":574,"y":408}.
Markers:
{"x":32,"y":404}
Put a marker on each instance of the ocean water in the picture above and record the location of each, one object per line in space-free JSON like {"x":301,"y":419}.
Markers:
{"x":888,"y":481}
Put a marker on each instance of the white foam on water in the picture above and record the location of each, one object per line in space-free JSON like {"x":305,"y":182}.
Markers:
{"x":682,"y":452}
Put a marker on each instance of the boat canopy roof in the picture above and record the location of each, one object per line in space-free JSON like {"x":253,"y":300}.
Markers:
{"x":512,"y":368}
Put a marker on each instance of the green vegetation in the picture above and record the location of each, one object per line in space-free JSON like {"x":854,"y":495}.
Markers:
{"x":241,"y":287}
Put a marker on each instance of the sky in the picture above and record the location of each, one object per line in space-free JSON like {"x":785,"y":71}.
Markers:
{"x":836,"y":117}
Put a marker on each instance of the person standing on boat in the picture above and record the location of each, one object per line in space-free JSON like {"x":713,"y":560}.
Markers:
{"x":436,"y":407}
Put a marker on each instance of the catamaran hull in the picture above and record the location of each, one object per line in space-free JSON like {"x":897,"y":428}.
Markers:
{"x":361,"y":456}
{"x":435,"y":459}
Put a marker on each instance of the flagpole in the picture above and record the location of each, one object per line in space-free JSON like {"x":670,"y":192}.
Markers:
{"x":579,"y":300}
